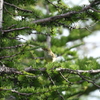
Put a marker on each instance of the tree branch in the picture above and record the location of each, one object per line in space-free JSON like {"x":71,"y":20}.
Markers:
{"x":94,"y":9}
{"x":7,"y":70}
{"x":50,"y":19}
{"x":14,"y":91}
{"x":77,"y":71}
{"x":89,"y":81}
{"x":30,"y":69}
{"x":68,"y":14}
{"x":3,"y":57}
{"x":61,"y":96}
{"x":12,"y":47}
{"x":15,"y":29}
{"x":17,"y":7}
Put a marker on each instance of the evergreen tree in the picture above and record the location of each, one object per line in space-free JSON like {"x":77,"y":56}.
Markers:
{"x":25,"y":73}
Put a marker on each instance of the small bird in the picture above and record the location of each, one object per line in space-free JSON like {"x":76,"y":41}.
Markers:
{"x":49,"y":55}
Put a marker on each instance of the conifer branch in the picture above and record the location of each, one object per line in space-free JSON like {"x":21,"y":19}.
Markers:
{"x":17,"y":7}
{"x":88,"y":80}
{"x":14,"y":91}
{"x":77,"y":71}
{"x":15,"y":29}
{"x":51,"y":19}
{"x":10,"y":56}
{"x":61,"y":97}
{"x":8,"y":11}
{"x":12,"y":47}
{"x":27,"y":94}
{"x":57,"y":7}
{"x":94,"y":9}
{"x":30,"y":69}
{"x":11,"y":26}
{"x":65,"y":78}
{"x":3,"y":57}
{"x":7,"y":70}
{"x":68,"y":14}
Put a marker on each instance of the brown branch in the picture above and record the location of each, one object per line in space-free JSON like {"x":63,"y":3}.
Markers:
{"x":3,"y":57}
{"x":10,"y":56}
{"x":15,"y":29}
{"x":77,"y":71}
{"x":65,"y":78}
{"x":27,"y":94}
{"x":54,"y":18}
{"x":17,"y":7}
{"x":89,"y":81}
{"x":61,"y":96}
{"x":9,"y":12}
{"x":68,"y":14}
{"x":7,"y":70}
{"x":50,"y":19}
{"x":11,"y":26}
{"x":57,"y":7}
{"x":30,"y":69}
{"x":12,"y":47}
{"x":94,"y":9}
{"x":14,"y":91}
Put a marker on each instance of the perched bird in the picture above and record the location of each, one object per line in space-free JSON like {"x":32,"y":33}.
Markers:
{"x":49,"y":55}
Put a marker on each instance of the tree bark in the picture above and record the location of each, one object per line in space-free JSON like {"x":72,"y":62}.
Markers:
{"x":1,"y":14}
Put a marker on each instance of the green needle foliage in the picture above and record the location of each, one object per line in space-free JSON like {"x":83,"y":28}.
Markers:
{"x":24,"y":73}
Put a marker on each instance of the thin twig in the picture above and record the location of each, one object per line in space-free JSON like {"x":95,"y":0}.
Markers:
{"x":65,"y":78}
{"x":3,"y":57}
{"x":17,"y":7}
{"x":11,"y":26}
{"x":15,"y":29}
{"x":12,"y":47}
{"x":89,"y":81}
{"x":14,"y":91}
{"x":62,"y":98}
{"x":94,"y":9}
